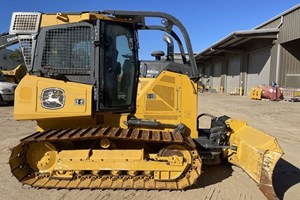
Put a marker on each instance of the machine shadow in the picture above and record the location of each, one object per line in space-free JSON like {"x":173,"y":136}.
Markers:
{"x":5,"y":104}
{"x":212,"y":174}
{"x":285,"y":176}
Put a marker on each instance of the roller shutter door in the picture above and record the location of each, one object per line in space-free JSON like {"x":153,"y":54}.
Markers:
{"x":206,"y":81}
{"x":233,"y":73}
{"x":258,"y":68}
{"x":216,"y":75}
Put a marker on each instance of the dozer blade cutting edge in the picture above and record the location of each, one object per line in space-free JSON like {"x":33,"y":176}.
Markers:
{"x":257,"y":154}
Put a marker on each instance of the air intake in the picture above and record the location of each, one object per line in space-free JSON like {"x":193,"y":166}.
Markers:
{"x":24,"y":22}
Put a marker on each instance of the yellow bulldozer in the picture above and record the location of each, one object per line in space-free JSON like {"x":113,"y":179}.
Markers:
{"x":15,"y":75}
{"x":105,"y":121}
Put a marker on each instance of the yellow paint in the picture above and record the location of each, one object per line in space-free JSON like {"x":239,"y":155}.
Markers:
{"x":42,"y":157}
{"x":28,"y":100}
{"x":256,"y":151}
{"x":171,"y":98}
{"x":15,"y":75}
{"x":255,"y":93}
{"x":220,"y":89}
{"x":63,"y":18}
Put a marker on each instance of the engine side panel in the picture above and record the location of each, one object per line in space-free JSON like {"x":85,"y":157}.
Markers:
{"x":171,"y":98}
{"x":41,"y":98}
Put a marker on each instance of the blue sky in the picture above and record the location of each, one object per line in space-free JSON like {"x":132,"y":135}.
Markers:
{"x":206,"y":21}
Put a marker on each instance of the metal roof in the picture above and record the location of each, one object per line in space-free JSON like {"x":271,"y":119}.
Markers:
{"x":230,"y":42}
{"x":278,"y":16}
{"x":233,"y":40}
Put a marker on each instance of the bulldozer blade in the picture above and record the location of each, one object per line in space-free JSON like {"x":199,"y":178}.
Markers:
{"x":257,"y":154}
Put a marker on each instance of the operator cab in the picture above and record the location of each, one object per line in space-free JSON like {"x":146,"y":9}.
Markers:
{"x":76,"y":52}
{"x":98,"y":49}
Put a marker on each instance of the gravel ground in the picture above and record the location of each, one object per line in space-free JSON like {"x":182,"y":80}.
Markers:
{"x":280,"y":119}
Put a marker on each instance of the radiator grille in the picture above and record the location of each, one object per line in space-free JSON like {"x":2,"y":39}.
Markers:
{"x":67,"y":50}
{"x":25,"y":22}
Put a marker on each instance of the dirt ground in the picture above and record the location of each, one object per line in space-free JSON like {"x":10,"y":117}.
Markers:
{"x":280,"y":119}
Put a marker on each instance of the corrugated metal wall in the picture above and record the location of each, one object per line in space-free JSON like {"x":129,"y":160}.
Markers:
{"x":289,"y":40}
{"x":290,"y":29}
{"x":289,"y":37}
{"x":290,"y":64}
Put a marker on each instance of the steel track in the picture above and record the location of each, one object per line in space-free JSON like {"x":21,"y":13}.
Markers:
{"x":22,"y":171}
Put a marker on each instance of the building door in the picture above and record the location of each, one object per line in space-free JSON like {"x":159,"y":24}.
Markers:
{"x":216,"y":75}
{"x":233,"y":73}
{"x":207,"y":78}
{"x":258,"y":69}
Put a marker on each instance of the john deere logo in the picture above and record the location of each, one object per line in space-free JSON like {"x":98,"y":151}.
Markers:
{"x":53,"y":98}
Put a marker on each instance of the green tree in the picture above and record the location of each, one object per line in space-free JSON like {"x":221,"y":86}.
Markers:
{"x":17,"y":56}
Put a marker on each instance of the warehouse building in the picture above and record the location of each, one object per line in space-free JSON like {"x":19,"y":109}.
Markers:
{"x":267,"y":53}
